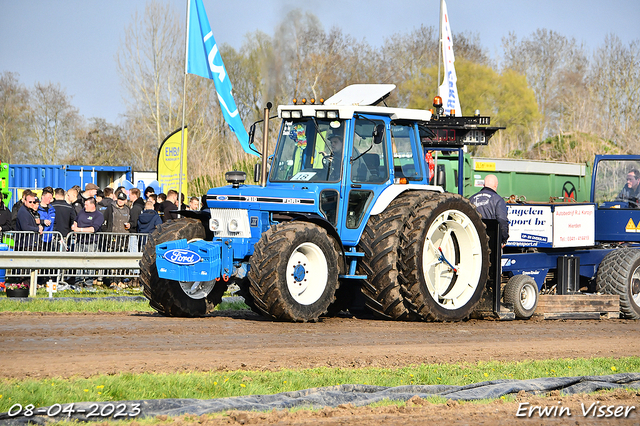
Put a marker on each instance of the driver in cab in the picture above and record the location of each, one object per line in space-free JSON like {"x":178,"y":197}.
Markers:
{"x":334,"y":157}
{"x":631,"y":190}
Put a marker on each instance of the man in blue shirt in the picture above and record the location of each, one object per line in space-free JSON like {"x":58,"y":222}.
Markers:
{"x":47,"y":218}
{"x":89,"y":219}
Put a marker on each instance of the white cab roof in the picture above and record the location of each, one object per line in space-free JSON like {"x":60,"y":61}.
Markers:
{"x":358,"y":98}
{"x":360,"y":94}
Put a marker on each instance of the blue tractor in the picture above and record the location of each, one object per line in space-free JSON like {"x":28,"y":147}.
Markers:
{"x":349,"y":203}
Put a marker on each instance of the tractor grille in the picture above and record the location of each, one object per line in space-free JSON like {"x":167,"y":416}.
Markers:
{"x":226,"y":223}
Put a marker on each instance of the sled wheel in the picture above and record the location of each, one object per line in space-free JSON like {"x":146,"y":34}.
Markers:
{"x":522,"y":292}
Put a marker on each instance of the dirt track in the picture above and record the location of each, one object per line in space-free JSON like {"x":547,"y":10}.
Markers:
{"x":58,"y":345}
{"x":87,"y":344}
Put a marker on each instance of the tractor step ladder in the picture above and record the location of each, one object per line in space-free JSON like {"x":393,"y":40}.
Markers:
{"x":352,"y":259}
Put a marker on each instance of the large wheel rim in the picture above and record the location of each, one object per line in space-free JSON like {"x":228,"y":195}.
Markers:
{"x":635,"y":286}
{"x":197,"y":289}
{"x":452,"y":259}
{"x":307,"y":273}
{"x":527,"y":296}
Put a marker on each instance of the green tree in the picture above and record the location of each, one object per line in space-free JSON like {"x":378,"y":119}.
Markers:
{"x":505,"y":97}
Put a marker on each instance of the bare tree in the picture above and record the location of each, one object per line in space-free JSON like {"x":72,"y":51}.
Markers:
{"x":615,"y":88}
{"x":551,"y":63}
{"x":103,"y":143}
{"x":150,"y":66}
{"x":53,"y":123}
{"x":14,"y":113}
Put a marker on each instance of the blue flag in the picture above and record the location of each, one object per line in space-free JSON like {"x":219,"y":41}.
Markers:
{"x":203,"y":59}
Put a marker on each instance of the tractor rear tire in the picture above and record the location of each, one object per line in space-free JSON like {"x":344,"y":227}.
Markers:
{"x":166,"y":296}
{"x":619,"y":273}
{"x":522,"y":292}
{"x":380,"y":242}
{"x":445,"y":258}
{"x":294,"y":272}
{"x":245,"y":293}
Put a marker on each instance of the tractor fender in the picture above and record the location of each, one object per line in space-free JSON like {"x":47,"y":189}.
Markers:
{"x":391,"y":193}
{"x":323,"y":223}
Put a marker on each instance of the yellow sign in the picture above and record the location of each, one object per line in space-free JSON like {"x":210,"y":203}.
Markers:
{"x":485,"y":166}
{"x":169,"y":157}
{"x":631,"y":227}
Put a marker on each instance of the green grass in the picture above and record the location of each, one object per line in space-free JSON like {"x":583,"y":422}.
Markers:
{"x":68,"y":306}
{"x":42,"y":303}
{"x":209,"y":385}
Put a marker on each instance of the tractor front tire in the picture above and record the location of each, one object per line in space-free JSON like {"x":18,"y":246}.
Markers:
{"x":445,"y":258}
{"x":294,"y":272}
{"x":619,"y":273}
{"x":166,"y":296}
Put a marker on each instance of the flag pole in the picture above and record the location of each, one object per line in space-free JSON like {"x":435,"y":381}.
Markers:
{"x":439,"y":48}
{"x":184,"y":105}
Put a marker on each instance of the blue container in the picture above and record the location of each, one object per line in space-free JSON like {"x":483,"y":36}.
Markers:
{"x":34,"y":176}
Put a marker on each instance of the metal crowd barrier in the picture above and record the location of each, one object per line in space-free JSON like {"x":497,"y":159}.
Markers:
{"x":74,"y":259}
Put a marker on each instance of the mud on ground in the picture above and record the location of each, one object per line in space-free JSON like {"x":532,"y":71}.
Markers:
{"x":66,"y":345}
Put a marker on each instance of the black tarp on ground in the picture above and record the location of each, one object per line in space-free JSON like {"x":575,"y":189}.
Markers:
{"x":332,"y":396}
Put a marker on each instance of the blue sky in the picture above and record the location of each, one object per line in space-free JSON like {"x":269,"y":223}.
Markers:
{"x":74,"y":42}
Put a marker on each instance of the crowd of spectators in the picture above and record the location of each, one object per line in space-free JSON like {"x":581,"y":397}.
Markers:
{"x":120,"y":214}
{"x":92,"y":210}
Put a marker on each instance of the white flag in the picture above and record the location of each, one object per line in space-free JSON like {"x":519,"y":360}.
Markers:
{"x":448,"y":90}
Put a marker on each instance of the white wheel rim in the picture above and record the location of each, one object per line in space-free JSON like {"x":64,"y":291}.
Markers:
{"x":197,"y":289}
{"x":635,"y":286}
{"x":527,"y":296}
{"x":307,"y":273}
{"x":453,"y":233}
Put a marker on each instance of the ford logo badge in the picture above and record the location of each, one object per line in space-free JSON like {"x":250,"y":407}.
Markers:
{"x":182,"y":257}
{"x":222,"y":198}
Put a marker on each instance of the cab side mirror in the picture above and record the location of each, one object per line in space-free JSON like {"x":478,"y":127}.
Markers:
{"x":378,"y":134}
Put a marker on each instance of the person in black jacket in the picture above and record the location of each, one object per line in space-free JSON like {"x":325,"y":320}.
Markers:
{"x":16,"y":207}
{"x":490,"y":205}
{"x":65,"y":213}
{"x":631,"y":190}
{"x":137,"y":207}
{"x":169,"y":206}
{"x":6,"y":222}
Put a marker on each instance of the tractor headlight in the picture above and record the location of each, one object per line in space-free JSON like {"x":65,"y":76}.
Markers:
{"x":230,"y":223}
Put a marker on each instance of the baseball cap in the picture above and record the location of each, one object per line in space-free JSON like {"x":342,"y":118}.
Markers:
{"x":91,"y":186}
{"x":122,"y":196}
